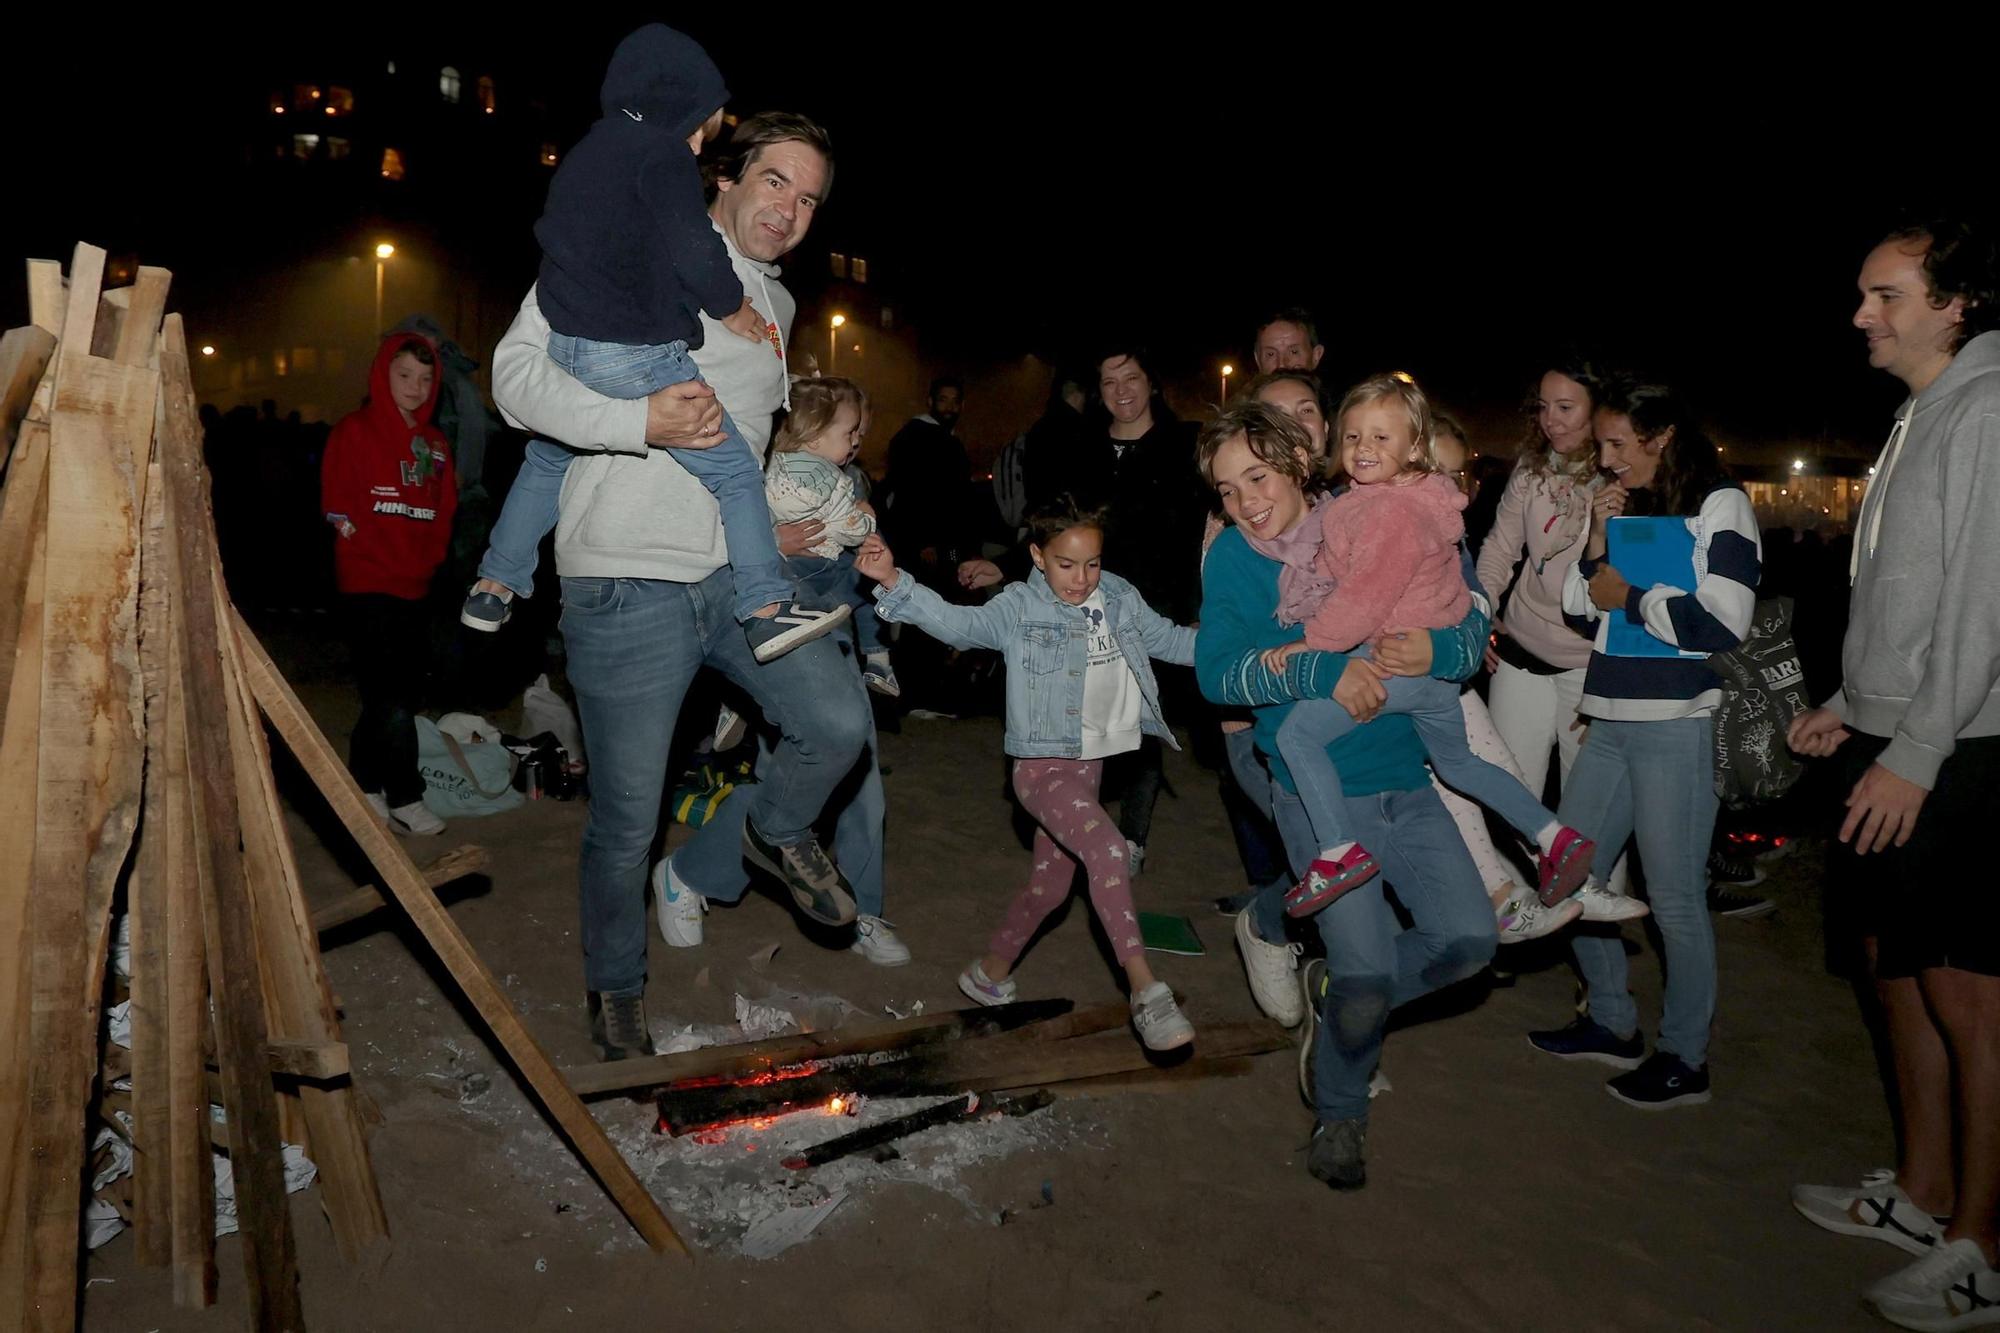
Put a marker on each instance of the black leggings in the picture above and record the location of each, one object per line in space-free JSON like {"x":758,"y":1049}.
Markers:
{"x":389,"y":638}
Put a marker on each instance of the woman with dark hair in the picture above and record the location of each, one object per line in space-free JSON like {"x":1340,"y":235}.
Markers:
{"x":1536,"y":660}
{"x":1647,"y":766}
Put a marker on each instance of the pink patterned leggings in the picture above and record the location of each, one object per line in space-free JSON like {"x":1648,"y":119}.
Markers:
{"x":1061,"y":794}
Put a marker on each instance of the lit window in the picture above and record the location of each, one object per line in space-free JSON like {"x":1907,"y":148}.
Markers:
{"x":305,"y":360}
{"x":392,"y":165}
{"x":860,"y":270}
{"x":304,"y":94}
{"x":838,"y":262}
{"x":336,"y":148}
{"x":548,"y":154}
{"x":340,"y":100}
{"x":392,"y":67}
{"x":280,"y":364}
{"x":304,"y":146}
{"x":486,"y":94}
{"x":448,"y":84}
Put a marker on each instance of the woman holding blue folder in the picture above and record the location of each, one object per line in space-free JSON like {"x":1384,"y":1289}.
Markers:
{"x":1647,"y":767}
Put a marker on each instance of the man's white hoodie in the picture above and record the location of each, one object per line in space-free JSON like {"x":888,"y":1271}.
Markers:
{"x":630,"y":511}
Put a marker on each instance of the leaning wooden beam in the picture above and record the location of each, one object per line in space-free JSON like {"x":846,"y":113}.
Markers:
{"x":455,"y":864}
{"x":404,"y":880}
{"x":90,"y":764}
{"x":48,"y":295}
{"x":24,"y":355}
{"x":23,"y":517}
{"x":241,"y":1031}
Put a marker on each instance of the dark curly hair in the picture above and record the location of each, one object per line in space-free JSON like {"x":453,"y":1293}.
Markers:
{"x":1052,"y":518}
{"x":1690,"y":467}
{"x":1960,"y":261}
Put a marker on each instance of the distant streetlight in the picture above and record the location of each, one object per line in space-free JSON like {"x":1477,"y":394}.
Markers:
{"x":382,"y":253}
{"x":208,"y":349}
{"x":1227,"y":371}
{"x":1798,"y":465}
{"x":833,"y":341}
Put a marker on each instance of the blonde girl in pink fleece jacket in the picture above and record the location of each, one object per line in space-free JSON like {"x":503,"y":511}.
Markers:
{"x":1385,"y":556}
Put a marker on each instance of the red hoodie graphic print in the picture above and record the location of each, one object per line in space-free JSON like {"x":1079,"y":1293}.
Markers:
{"x":393,"y":481}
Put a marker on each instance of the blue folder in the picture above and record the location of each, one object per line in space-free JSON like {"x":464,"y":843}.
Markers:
{"x":1648,"y":552}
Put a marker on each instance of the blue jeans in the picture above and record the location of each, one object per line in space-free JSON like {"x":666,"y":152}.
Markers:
{"x":1373,"y":965}
{"x":1263,"y":862}
{"x":831,"y":580}
{"x":1314,"y":724}
{"x":634,"y":644}
{"x":729,"y":471}
{"x":1655,"y":779}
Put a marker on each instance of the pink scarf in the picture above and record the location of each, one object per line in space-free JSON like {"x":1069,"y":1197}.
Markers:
{"x":1301,"y":587}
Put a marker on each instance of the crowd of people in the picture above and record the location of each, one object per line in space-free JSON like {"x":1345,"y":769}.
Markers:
{"x":1306,"y":583}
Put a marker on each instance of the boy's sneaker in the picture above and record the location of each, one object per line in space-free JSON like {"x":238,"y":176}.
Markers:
{"x":1326,"y":881}
{"x":486,"y":610}
{"x":1523,"y":918}
{"x":1336,"y":1155}
{"x":730,"y":728}
{"x":980,"y":989}
{"x":618,"y":1026}
{"x":1732,"y":862}
{"x":1664,"y":1080}
{"x":1878,"y":1209}
{"x":1565,"y":866}
{"x":771,"y":637}
{"x":1729,"y":902}
{"x":414,"y":818}
{"x":879,"y":676}
{"x":1601,"y":904}
{"x":1273,"y":973}
{"x":877,"y":943}
{"x":817,"y":887}
{"x":1135,"y":857}
{"x":1952,"y":1287}
{"x":1159,"y":1021}
{"x":677,"y":906}
{"x":1587,"y":1039}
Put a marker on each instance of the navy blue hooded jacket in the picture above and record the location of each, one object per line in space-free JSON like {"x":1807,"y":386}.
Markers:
{"x":629,"y":254}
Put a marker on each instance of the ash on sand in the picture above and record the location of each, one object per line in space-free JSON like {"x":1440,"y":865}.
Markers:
{"x":718,"y":1184}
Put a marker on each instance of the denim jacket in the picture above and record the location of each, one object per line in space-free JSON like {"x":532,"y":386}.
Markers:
{"x":1044,"y":642}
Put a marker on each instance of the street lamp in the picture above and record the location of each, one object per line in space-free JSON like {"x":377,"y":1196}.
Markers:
{"x":833,"y":341}
{"x":382,"y":253}
{"x":208,"y":349}
{"x":1227,"y":371}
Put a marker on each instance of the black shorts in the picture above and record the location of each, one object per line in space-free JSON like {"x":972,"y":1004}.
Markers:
{"x":1934,"y":902}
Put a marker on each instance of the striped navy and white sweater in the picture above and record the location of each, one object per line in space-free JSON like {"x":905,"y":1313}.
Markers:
{"x":1713,"y":617}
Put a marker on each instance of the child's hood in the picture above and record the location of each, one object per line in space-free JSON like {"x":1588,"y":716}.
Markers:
{"x":662,"y":77}
{"x":381,"y":410}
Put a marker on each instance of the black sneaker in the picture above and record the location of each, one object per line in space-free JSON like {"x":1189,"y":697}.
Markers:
{"x":618,"y":1026}
{"x":1335,"y":1156}
{"x":1732,"y":862}
{"x":485,"y":611}
{"x":773,"y":636}
{"x":1664,"y":1080}
{"x":818,"y":888}
{"x":1725,"y":901}
{"x":1587,"y":1039}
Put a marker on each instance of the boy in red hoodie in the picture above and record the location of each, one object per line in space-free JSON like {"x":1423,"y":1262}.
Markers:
{"x":387,"y":487}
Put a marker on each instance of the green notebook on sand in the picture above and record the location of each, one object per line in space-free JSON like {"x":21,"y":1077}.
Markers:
{"x":1163,"y":933}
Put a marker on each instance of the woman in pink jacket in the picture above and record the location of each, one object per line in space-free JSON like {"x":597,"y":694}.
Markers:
{"x":1384,"y":557}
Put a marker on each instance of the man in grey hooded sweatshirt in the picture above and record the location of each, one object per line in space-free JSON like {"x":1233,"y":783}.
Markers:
{"x":1916,"y":726}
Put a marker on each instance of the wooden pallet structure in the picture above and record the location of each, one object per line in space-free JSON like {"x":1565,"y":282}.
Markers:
{"x":134,"y":767}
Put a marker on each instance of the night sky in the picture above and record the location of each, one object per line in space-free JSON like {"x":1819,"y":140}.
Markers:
{"x":1452,"y":201}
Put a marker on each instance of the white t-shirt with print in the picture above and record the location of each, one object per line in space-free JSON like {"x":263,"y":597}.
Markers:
{"x":1110,"y":690}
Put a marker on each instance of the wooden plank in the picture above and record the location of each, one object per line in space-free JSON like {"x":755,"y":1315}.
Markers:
{"x":24,"y":356}
{"x":89,"y":769}
{"x":455,"y":864}
{"x":241,"y":1031}
{"x":1154,"y":1080}
{"x":146,"y":897}
{"x":86,"y":283}
{"x":453,"y":950}
{"x":741,"y":1059}
{"x":23,"y":516}
{"x":18,"y":745}
{"x":316,"y":1060}
{"x":189,"y":1090}
{"x":140,"y":329}
{"x":47,"y":295}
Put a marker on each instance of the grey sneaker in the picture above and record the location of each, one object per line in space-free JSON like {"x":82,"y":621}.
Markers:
{"x":485,"y":611}
{"x":771,"y":637}
{"x":1160,"y":1023}
{"x":818,"y":888}
{"x":1336,"y":1155}
{"x":618,"y":1026}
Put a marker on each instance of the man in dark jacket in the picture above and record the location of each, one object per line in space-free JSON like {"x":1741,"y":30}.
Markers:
{"x":924,"y":506}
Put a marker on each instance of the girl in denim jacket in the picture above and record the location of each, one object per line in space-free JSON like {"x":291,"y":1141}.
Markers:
{"x":1080,"y":688}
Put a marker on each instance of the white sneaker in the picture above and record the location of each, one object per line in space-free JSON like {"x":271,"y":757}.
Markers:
{"x":416,"y":817}
{"x":1273,"y":973}
{"x":771,"y":637}
{"x":729,"y":728}
{"x":1524,"y":918}
{"x":1600,"y":904}
{"x":1952,"y":1287}
{"x":1878,"y":1209}
{"x":678,"y":907}
{"x":877,"y":943}
{"x":1160,"y":1023}
{"x":982,"y":989}
{"x":1135,"y":856}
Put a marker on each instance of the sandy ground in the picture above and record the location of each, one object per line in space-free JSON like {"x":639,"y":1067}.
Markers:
{"x":1507,"y":1191}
